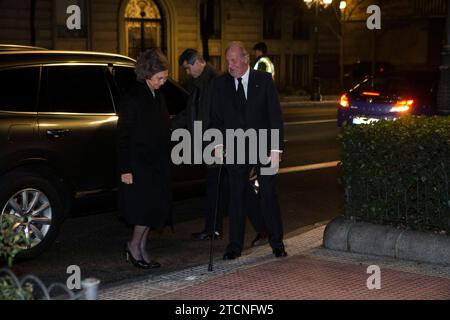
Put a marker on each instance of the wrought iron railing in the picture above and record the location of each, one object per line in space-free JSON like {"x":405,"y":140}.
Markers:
{"x":419,"y":205}
{"x":31,"y":287}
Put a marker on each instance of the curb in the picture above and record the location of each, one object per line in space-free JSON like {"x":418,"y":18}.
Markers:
{"x":365,"y":238}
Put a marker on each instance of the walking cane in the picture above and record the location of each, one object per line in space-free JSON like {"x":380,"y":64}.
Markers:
{"x":211,"y":244}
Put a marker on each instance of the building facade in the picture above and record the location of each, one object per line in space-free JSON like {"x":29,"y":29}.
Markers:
{"x":174,"y":25}
{"x":410,"y":36}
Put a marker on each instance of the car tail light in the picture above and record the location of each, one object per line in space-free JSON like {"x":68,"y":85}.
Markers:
{"x":370,"y":93}
{"x":344,"y":103}
{"x":402,"y":105}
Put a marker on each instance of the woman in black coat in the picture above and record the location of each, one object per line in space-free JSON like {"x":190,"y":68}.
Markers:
{"x":144,"y":159}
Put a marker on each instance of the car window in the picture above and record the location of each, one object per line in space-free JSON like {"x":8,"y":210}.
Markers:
{"x":18,"y":89}
{"x":401,"y":83}
{"x":363,"y":69}
{"x":122,"y":79}
{"x":125,"y":78}
{"x":175,"y":95}
{"x":394,"y":84}
{"x":77,"y":89}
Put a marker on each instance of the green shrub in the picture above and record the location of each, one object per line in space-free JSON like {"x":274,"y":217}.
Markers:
{"x":9,"y":290}
{"x":10,"y":239}
{"x":397,"y":172}
{"x":10,"y":243}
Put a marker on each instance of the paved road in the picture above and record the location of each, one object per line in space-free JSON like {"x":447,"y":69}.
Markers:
{"x":95,"y":242}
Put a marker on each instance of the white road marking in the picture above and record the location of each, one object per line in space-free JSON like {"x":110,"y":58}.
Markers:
{"x":306,"y":103}
{"x":294,"y":123}
{"x":308,"y":167}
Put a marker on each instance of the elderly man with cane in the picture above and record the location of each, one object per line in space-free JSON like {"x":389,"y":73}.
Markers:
{"x":246,"y":99}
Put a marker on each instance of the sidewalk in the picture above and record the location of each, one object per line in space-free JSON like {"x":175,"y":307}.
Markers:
{"x":309,"y":272}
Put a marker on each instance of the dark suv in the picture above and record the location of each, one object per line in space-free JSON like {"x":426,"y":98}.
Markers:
{"x":58,"y":115}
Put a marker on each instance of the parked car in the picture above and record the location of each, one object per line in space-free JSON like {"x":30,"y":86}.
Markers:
{"x":58,"y":115}
{"x":389,"y":97}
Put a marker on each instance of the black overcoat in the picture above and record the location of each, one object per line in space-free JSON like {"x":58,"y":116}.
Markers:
{"x":143,"y":150}
{"x":262,"y":110}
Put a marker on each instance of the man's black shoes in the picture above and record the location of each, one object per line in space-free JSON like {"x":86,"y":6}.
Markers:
{"x":260,"y":239}
{"x":231,"y":255}
{"x":206,"y":235}
{"x":279,"y":252}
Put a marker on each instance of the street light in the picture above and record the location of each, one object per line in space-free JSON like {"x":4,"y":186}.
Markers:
{"x":316,"y":96}
{"x":342,"y":6}
{"x":142,"y":4}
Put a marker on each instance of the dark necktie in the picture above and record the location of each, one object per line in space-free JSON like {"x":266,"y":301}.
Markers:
{"x":241,"y":94}
{"x":241,"y":101}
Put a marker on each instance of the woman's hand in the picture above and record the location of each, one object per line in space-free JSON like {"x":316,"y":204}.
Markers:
{"x":127,"y":178}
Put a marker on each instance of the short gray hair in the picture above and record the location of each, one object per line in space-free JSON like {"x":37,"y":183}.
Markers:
{"x":238,"y":44}
{"x":149,"y":63}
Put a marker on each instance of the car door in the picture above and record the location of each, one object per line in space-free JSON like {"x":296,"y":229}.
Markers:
{"x":77,"y":123}
{"x":18,"y":119}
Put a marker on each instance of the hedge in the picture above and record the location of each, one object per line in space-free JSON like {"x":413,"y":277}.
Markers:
{"x":397,"y":172}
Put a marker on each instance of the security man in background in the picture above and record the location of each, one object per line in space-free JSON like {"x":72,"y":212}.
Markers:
{"x":263,"y":62}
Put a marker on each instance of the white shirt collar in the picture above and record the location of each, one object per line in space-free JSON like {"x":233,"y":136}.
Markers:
{"x":244,"y":77}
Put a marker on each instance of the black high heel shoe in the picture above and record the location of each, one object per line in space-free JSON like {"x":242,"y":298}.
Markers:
{"x":137,"y":263}
{"x":152,"y":264}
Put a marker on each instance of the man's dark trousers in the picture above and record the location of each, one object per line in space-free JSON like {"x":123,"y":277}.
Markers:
{"x":268,"y":206}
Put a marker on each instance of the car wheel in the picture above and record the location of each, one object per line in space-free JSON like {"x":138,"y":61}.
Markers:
{"x":38,"y":205}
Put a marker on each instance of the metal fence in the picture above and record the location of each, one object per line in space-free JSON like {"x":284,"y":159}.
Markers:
{"x":31,"y":287}
{"x":419,"y":205}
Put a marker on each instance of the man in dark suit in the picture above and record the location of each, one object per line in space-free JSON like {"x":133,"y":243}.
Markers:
{"x":246,"y":99}
{"x":201,"y":76}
